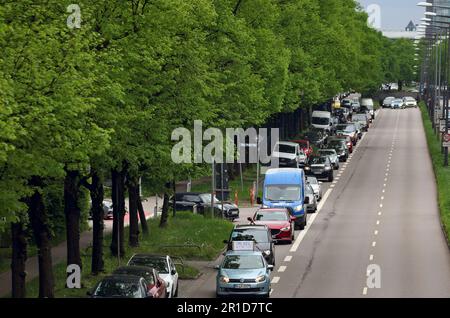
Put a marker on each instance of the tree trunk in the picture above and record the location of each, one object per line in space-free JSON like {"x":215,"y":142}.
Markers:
{"x":42,"y":237}
{"x":165,"y":207}
{"x":133,"y":195}
{"x":174,"y":205}
{"x":19,"y":258}
{"x":142,"y":218}
{"x":97,"y":195}
{"x":118,"y":196}
{"x":72,"y":213}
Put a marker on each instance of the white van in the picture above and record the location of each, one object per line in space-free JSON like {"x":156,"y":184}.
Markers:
{"x":321,"y":120}
{"x":368,"y":103}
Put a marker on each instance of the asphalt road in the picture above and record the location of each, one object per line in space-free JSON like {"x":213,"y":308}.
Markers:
{"x":381,"y":211}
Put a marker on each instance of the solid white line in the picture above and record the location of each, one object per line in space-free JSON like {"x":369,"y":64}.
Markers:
{"x":275,"y":280}
{"x":288,"y":258}
{"x":302,"y":234}
{"x":282,"y":269}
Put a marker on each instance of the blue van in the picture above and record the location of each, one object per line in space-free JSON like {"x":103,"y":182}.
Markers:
{"x":285,"y":188}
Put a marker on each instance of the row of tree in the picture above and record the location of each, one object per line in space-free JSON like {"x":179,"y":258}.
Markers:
{"x":81,"y":105}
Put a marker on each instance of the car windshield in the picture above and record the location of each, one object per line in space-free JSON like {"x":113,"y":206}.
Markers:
{"x":320,"y":120}
{"x":398,"y":101}
{"x":336,"y":144}
{"x":243,"y":262}
{"x":206,"y":197}
{"x":283,"y":193}
{"x":190,"y":198}
{"x":285,"y":148}
{"x":158,"y":263}
{"x":256,"y":235}
{"x":271,"y":216}
{"x":318,"y":160}
{"x":359,"y":117}
{"x":327,"y":152}
{"x":116,"y":288}
{"x":346,"y":128}
{"x":136,"y":272}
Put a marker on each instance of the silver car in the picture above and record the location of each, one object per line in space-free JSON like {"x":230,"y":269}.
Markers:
{"x":332,"y":154}
{"x":316,"y":185}
{"x":311,"y":207}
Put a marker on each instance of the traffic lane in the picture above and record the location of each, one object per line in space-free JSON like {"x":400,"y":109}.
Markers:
{"x":332,"y":259}
{"x":411,"y":249}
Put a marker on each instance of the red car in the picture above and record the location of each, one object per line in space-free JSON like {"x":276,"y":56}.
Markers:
{"x":305,"y":146}
{"x":279,"y":221}
{"x":156,"y":285}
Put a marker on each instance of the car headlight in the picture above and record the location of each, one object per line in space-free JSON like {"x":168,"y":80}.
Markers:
{"x":327,"y":168}
{"x":224,"y":279}
{"x":285,"y":229}
{"x":267,"y":252}
{"x":260,"y":279}
{"x":307,"y":168}
{"x":298,"y":208}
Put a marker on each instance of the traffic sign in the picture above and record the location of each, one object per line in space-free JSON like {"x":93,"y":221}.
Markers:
{"x":446,"y":141}
{"x":442,"y":125}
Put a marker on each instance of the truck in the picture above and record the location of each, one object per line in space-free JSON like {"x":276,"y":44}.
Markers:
{"x":322,"y":120}
{"x":285,"y":188}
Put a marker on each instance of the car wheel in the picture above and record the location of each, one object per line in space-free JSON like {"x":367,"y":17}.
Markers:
{"x":331,"y":177}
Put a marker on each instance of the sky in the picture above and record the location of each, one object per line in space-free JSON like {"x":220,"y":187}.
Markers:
{"x":396,"y":14}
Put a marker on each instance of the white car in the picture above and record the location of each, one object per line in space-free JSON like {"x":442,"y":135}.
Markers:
{"x":164,"y":265}
{"x":397,"y":104}
{"x":289,"y":154}
{"x":316,"y":185}
{"x":409,"y":102}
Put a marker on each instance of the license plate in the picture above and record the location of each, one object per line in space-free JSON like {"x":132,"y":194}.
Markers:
{"x":317,"y":172}
{"x":243,"y":286}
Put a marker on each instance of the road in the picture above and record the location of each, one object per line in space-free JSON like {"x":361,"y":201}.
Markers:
{"x":381,"y":210}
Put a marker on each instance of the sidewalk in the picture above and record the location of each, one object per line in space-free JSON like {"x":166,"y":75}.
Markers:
{"x":59,"y":252}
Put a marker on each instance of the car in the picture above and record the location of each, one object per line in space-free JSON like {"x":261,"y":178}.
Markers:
{"x":355,"y":106}
{"x":347,"y":105}
{"x":156,"y":285}
{"x":289,"y":154}
{"x":311,"y":207}
{"x":243,"y":273}
{"x":341,"y":148}
{"x":321,"y":120}
{"x":259,"y":234}
{"x":367,"y":103}
{"x":320,"y":167}
{"x":108,"y":212}
{"x":359,"y":129}
{"x":285,"y":188}
{"x":279,"y":221}
{"x":165,"y":267}
{"x":121,"y":286}
{"x":397,"y":104}
{"x":387,"y":102}
{"x":316,"y":186}
{"x":346,"y":139}
{"x":332,"y":154}
{"x":362,"y":119}
{"x":409,"y":101}
{"x":201,"y":202}
{"x":316,"y":137}
{"x":305,"y":145}
{"x":348,"y":130}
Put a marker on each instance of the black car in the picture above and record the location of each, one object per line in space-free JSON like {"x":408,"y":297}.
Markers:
{"x":121,"y":286}
{"x":340,"y":147}
{"x":260,"y":234}
{"x":320,"y":167}
{"x":316,"y":137}
{"x":189,"y":201}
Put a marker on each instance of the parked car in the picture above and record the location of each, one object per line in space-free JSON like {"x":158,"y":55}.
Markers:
{"x":165,"y":267}
{"x":121,"y":286}
{"x":397,"y":104}
{"x":186,"y":201}
{"x":348,"y":130}
{"x":332,"y":154}
{"x":387,"y":102}
{"x":243,"y":273}
{"x":346,"y":139}
{"x":260,"y":234}
{"x":311,"y":207}
{"x":279,"y":221}
{"x":341,"y":148}
{"x":156,"y":285}
{"x":320,"y":167}
{"x":289,"y":154}
{"x":316,"y":186}
{"x":305,"y":145}
{"x":409,"y":101}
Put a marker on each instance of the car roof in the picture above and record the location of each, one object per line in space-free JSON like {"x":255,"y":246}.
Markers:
{"x":188,"y":193}
{"x":251,"y":226}
{"x":231,"y":252}
{"x":144,"y":255}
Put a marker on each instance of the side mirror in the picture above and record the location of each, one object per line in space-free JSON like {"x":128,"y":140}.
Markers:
{"x":306,"y":200}
{"x":293,"y":218}
{"x":173,"y":272}
{"x":216,"y":267}
{"x":258,"y":200}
